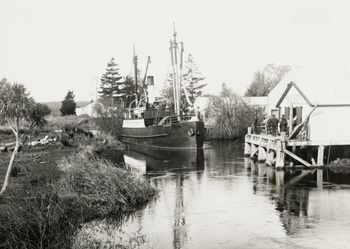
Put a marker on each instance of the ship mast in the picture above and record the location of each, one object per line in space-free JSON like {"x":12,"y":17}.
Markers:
{"x":135,"y":74}
{"x":177,"y":71}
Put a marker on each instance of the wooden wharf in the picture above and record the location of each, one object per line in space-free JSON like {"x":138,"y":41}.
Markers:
{"x":273,"y":150}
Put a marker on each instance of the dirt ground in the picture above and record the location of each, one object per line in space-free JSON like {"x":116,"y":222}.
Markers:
{"x":37,"y":165}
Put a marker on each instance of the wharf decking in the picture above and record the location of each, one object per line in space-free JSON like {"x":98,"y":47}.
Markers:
{"x":274,"y":149}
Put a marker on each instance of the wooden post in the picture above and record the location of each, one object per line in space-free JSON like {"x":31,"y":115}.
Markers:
{"x":319,"y":178}
{"x":280,"y":152}
{"x":279,"y":159}
{"x":261,"y":154}
{"x":320,"y":155}
{"x":291,"y":119}
{"x":247,"y":149}
{"x":249,"y":130}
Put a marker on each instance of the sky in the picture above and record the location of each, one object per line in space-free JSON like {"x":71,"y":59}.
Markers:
{"x":55,"y":46}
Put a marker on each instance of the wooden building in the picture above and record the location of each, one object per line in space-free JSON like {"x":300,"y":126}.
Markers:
{"x":316,"y":104}
{"x":323,"y":94}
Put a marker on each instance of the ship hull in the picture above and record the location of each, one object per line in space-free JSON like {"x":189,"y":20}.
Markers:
{"x":180,"y":136}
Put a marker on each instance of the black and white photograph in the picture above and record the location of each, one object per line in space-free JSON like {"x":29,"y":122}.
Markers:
{"x":166,"y":124}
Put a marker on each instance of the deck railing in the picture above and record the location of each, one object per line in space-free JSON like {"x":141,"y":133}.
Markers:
{"x":169,"y":120}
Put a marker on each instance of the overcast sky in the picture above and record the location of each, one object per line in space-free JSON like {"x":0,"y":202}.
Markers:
{"x":53,"y":46}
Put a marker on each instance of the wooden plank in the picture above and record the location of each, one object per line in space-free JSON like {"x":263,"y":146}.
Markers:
{"x":289,"y":153}
{"x":316,"y":143}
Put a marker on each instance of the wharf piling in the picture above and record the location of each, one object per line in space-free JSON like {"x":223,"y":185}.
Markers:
{"x":278,"y":150}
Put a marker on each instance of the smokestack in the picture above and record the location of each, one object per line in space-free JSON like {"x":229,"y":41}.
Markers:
{"x":150,"y":80}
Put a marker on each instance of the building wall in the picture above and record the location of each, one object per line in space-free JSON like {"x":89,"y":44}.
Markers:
{"x":294,"y":99}
{"x":326,"y":123}
{"x":275,"y":94}
{"x":330,"y":124}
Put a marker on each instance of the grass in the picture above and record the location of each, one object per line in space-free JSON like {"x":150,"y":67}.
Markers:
{"x":101,"y":187}
{"x":59,"y":122}
{"x":60,"y":188}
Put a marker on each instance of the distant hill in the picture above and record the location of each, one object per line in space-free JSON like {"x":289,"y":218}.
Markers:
{"x":56,"y":105}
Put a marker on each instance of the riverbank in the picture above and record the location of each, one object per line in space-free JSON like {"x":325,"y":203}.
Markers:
{"x":59,"y":187}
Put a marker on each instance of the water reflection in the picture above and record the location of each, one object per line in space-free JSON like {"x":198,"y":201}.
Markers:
{"x":215,"y":198}
{"x":179,"y":229}
{"x":162,"y":162}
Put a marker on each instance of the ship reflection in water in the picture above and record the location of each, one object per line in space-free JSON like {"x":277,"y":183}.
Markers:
{"x":215,"y":198}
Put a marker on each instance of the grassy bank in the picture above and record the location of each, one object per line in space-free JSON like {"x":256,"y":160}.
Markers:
{"x":60,"y":187}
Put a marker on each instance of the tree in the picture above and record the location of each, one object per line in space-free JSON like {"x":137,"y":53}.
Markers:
{"x":112,"y":84}
{"x":68,"y":104}
{"x":109,"y":116}
{"x":229,"y":115}
{"x":225,"y":91}
{"x":15,"y":106}
{"x":37,"y":114}
{"x":167,"y":90}
{"x":192,"y":84}
{"x":128,"y":92}
{"x":192,"y":79}
{"x":266,"y":79}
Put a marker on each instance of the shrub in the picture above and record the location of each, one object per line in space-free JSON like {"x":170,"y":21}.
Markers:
{"x":230,"y":117}
{"x":109,"y":117}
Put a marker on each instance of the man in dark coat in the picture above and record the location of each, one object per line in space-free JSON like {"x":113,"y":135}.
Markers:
{"x":283,"y":124}
{"x":274,"y":125}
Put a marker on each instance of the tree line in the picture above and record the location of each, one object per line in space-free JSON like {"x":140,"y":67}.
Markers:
{"x":115,"y":86}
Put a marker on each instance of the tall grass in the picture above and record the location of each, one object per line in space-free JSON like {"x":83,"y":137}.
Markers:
{"x":101,"y":187}
{"x":88,"y":188}
{"x":230,"y":117}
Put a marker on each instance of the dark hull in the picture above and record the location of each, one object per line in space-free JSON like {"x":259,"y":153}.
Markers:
{"x":179,"y":136}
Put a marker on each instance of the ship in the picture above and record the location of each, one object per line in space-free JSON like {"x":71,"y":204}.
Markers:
{"x":162,"y":124}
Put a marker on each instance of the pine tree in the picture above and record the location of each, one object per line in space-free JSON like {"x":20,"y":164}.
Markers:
{"x":129,"y":89}
{"x":167,"y":90}
{"x":192,"y":79}
{"x":111,"y":82}
{"x":68,"y":104}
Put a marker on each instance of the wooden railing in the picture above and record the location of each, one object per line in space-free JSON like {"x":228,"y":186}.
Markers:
{"x":174,"y":119}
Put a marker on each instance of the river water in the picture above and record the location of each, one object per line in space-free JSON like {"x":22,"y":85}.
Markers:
{"x":215,"y":198}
